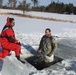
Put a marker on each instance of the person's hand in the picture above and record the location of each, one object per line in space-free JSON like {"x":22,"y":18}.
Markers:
{"x":38,"y":50}
{"x":19,"y":43}
{"x":49,"y":54}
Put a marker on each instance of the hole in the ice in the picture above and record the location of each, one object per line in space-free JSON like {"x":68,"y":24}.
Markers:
{"x":39,"y":65}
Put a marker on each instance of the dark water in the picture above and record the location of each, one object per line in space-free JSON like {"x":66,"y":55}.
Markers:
{"x":40,"y":64}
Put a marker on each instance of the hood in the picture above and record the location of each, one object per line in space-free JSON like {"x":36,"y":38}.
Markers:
{"x":8,"y":22}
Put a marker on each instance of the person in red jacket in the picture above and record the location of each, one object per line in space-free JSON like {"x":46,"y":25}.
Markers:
{"x":8,"y":40}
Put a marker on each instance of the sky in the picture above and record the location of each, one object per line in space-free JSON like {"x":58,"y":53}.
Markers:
{"x":46,"y":2}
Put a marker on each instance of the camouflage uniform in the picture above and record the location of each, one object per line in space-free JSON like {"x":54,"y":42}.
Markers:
{"x":47,"y":46}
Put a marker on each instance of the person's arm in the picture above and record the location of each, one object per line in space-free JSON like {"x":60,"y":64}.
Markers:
{"x":10,"y":37}
{"x":40,"y":44}
{"x":54,"y":47}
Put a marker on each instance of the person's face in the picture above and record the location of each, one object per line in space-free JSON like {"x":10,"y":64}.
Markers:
{"x":47,"y":33}
{"x":13,"y":23}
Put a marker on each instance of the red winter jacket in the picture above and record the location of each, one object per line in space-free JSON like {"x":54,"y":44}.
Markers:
{"x":8,"y":34}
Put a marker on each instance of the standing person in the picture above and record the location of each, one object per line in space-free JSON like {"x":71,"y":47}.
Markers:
{"x":48,"y":46}
{"x":8,"y":40}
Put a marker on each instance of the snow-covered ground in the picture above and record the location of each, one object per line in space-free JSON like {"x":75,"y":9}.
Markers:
{"x":28,"y":25}
{"x":54,"y":16}
{"x":29,"y":32}
{"x":10,"y":11}
{"x":43,"y":14}
{"x":66,"y":67}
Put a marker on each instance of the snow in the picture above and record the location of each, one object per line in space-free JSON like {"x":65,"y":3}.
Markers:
{"x":68,"y":32}
{"x":28,"y":25}
{"x":54,"y":16}
{"x":11,"y":66}
{"x":10,"y":11}
{"x":43,"y":14}
{"x":66,"y":67}
{"x":29,"y":32}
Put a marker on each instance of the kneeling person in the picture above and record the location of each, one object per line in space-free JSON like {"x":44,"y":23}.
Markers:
{"x":48,"y":46}
{"x":8,"y":40}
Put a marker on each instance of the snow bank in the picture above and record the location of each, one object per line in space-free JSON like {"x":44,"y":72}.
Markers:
{"x":10,"y":11}
{"x":11,"y":66}
{"x":43,"y":14}
{"x":68,"y":32}
{"x":53,"y":15}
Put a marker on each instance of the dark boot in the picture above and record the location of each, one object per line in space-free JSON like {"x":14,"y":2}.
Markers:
{"x":9,"y":54}
{"x":18,"y":57}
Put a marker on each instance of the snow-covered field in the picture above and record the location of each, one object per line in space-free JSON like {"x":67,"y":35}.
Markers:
{"x":29,"y":32}
{"x":28,"y":25}
{"x":43,"y":14}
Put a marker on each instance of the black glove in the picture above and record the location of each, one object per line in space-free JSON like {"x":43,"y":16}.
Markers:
{"x":9,"y":54}
{"x":49,"y":54}
{"x":19,"y":43}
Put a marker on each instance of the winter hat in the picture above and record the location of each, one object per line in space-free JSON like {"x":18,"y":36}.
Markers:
{"x":9,"y":20}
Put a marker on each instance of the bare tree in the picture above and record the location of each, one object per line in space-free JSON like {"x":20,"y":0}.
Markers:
{"x":1,"y":1}
{"x":35,"y":2}
{"x":23,"y":6}
{"x":12,"y":3}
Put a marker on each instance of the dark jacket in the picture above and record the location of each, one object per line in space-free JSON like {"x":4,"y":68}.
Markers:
{"x":48,"y":45}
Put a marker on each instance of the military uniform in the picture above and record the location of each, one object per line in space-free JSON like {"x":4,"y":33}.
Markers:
{"x":48,"y":47}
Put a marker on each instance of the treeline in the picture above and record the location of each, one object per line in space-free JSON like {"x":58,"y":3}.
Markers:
{"x":52,"y":7}
{"x":61,"y":8}
{"x":15,"y":4}
{"x":57,"y":8}
{"x":20,"y":5}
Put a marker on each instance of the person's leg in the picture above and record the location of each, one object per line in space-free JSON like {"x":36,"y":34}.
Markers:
{"x":0,"y":54}
{"x":14,"y":47}
{"x":4,"y":53}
